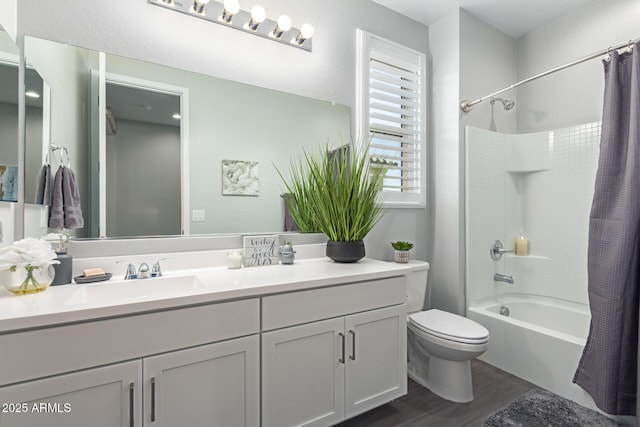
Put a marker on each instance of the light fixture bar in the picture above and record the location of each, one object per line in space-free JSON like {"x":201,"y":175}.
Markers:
{"x":241,"y":20}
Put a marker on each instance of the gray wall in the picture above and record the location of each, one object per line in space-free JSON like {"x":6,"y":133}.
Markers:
{"x":470,"y":59}
{"x":572,"y":96}
{"x":327,"y":74}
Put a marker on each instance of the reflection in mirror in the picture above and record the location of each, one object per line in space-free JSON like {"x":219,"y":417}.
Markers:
{"x":142,"y":173}
{"x":8,"y":119}
{"x":9,"y":142}
{"x":220,"y":121}
{"x":36,"y":95}
{"x":66,"y":71}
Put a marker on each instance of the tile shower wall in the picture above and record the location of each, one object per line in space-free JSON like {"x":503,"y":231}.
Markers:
{"x":536,"y":185}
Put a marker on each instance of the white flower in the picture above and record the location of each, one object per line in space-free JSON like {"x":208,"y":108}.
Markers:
{"x":29,"y":251}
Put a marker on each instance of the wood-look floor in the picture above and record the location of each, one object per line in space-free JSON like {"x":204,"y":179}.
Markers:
{"x":493,"y":389}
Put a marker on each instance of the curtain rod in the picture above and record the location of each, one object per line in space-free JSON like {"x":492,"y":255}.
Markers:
{"x":467,"y":105}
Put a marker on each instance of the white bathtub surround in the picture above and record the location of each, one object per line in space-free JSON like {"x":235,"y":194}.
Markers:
{"x":540,"y":185}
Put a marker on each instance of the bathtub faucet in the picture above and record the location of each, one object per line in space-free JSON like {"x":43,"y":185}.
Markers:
{"x":503,"y":278}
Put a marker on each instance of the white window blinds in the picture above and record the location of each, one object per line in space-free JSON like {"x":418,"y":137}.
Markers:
{"x":391,"y":104}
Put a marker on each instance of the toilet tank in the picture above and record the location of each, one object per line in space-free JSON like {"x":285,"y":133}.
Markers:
{"x":417,"y":285}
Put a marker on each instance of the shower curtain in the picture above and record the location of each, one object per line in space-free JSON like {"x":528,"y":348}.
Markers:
{"x":608,"y":369}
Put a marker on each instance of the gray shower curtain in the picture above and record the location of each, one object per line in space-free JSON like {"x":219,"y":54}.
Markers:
{"x":608,"y":369}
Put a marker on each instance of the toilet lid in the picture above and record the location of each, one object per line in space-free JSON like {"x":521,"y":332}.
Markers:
{"x":449,"y":326}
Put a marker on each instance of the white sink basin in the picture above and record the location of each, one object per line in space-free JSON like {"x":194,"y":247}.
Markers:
{"x":134,"y":290}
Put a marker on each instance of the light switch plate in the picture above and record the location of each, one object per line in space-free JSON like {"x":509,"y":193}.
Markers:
{"x":197,"y":215}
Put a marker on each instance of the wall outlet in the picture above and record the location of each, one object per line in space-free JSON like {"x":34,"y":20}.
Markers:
{"x":197,"y":215}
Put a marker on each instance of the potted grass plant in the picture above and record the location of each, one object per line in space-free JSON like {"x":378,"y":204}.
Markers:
{"x":333,"y":191}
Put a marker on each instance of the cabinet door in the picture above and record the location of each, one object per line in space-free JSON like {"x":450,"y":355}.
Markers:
{"x":216,"y":384}
{"x":102,"y":397}
{"x":303,"y":375}
{"x":376,"y":358}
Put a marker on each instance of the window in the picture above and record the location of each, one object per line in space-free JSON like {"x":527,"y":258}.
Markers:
{"x":391,"y":115}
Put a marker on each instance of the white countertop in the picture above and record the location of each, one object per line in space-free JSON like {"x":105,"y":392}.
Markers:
{"x":77,"y":303}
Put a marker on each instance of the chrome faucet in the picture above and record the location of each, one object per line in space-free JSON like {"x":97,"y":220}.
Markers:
{"x":131,"y":271}
{"x":156,"y":270}
{"x":503,"y":278}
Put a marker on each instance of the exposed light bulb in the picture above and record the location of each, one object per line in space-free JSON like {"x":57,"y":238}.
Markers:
{"x":306,"y":32}
{"x":177,"y":116}
{"x":258,"y":15}
{"x":198,"y":6}
{"x":32,"y":94}
{"x":284,"y":24}
{"x":231,"y":7}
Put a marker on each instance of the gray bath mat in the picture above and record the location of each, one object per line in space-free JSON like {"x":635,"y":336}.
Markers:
{"x":541,"y":408}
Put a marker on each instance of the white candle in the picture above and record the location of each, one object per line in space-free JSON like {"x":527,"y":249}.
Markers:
{"x":522,"y":246}
{"x":234,"y":260}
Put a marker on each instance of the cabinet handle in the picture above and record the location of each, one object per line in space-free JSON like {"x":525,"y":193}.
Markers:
{"x":153,"y":399}
{"x":353,"y":345}
{"x":131,"y":417}
{"x":341,"y":360}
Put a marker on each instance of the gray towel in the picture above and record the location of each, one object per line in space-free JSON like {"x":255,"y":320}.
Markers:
{"x":56,"y":209}
{"x":71,"y":196}
{"x":289,"y":222}
{"x":43,"y":192}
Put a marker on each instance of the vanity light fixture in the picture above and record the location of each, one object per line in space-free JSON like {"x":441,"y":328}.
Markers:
{"x":198,"y":6}
{"x":231,"y":7}
{"x":283,"y":25}
{"x":258,"y":15}
{"x":255,"y":21}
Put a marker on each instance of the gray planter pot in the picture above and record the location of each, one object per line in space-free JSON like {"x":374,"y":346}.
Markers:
{"x":345,"y":251}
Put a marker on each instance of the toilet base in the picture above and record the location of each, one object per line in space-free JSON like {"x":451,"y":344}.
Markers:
{"x":450,"y":380}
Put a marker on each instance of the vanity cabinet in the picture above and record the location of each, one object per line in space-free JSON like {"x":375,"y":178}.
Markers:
{"x":306,"y":354}
{"x":197,"y":386}
{"x":103,"y":397}
{"x":320,"y":372}
{"x":193,"y":366}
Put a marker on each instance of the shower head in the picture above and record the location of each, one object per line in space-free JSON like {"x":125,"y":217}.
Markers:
{"x":507,"y":103}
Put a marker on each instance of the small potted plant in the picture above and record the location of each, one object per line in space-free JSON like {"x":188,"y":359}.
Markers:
{"x":401,"y":251}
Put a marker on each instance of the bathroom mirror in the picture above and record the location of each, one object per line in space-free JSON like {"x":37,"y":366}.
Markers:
{"x":9,"y":142}
{"x":227,"y":133}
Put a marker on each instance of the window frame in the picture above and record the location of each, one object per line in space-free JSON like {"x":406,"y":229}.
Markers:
{"x":366,"y":43}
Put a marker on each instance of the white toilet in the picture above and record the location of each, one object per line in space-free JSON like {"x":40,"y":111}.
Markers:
{"x":440,"y":345}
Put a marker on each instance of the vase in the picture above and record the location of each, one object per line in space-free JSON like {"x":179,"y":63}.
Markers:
{"x":345,"y":251}
{"x":28,"y":279}
{"x":401,"y":257}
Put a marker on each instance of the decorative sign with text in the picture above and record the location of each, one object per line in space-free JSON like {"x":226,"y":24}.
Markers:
{"x":261,"y":250}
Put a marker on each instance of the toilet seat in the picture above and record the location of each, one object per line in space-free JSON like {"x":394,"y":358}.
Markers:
{"x":449,"y":326}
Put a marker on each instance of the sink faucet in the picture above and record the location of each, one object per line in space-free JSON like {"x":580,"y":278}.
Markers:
{"x":503,"y":278}
{"x":131,"y":271}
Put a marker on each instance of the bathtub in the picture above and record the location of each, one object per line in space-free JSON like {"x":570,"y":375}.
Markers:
{"x":540,"y":341}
